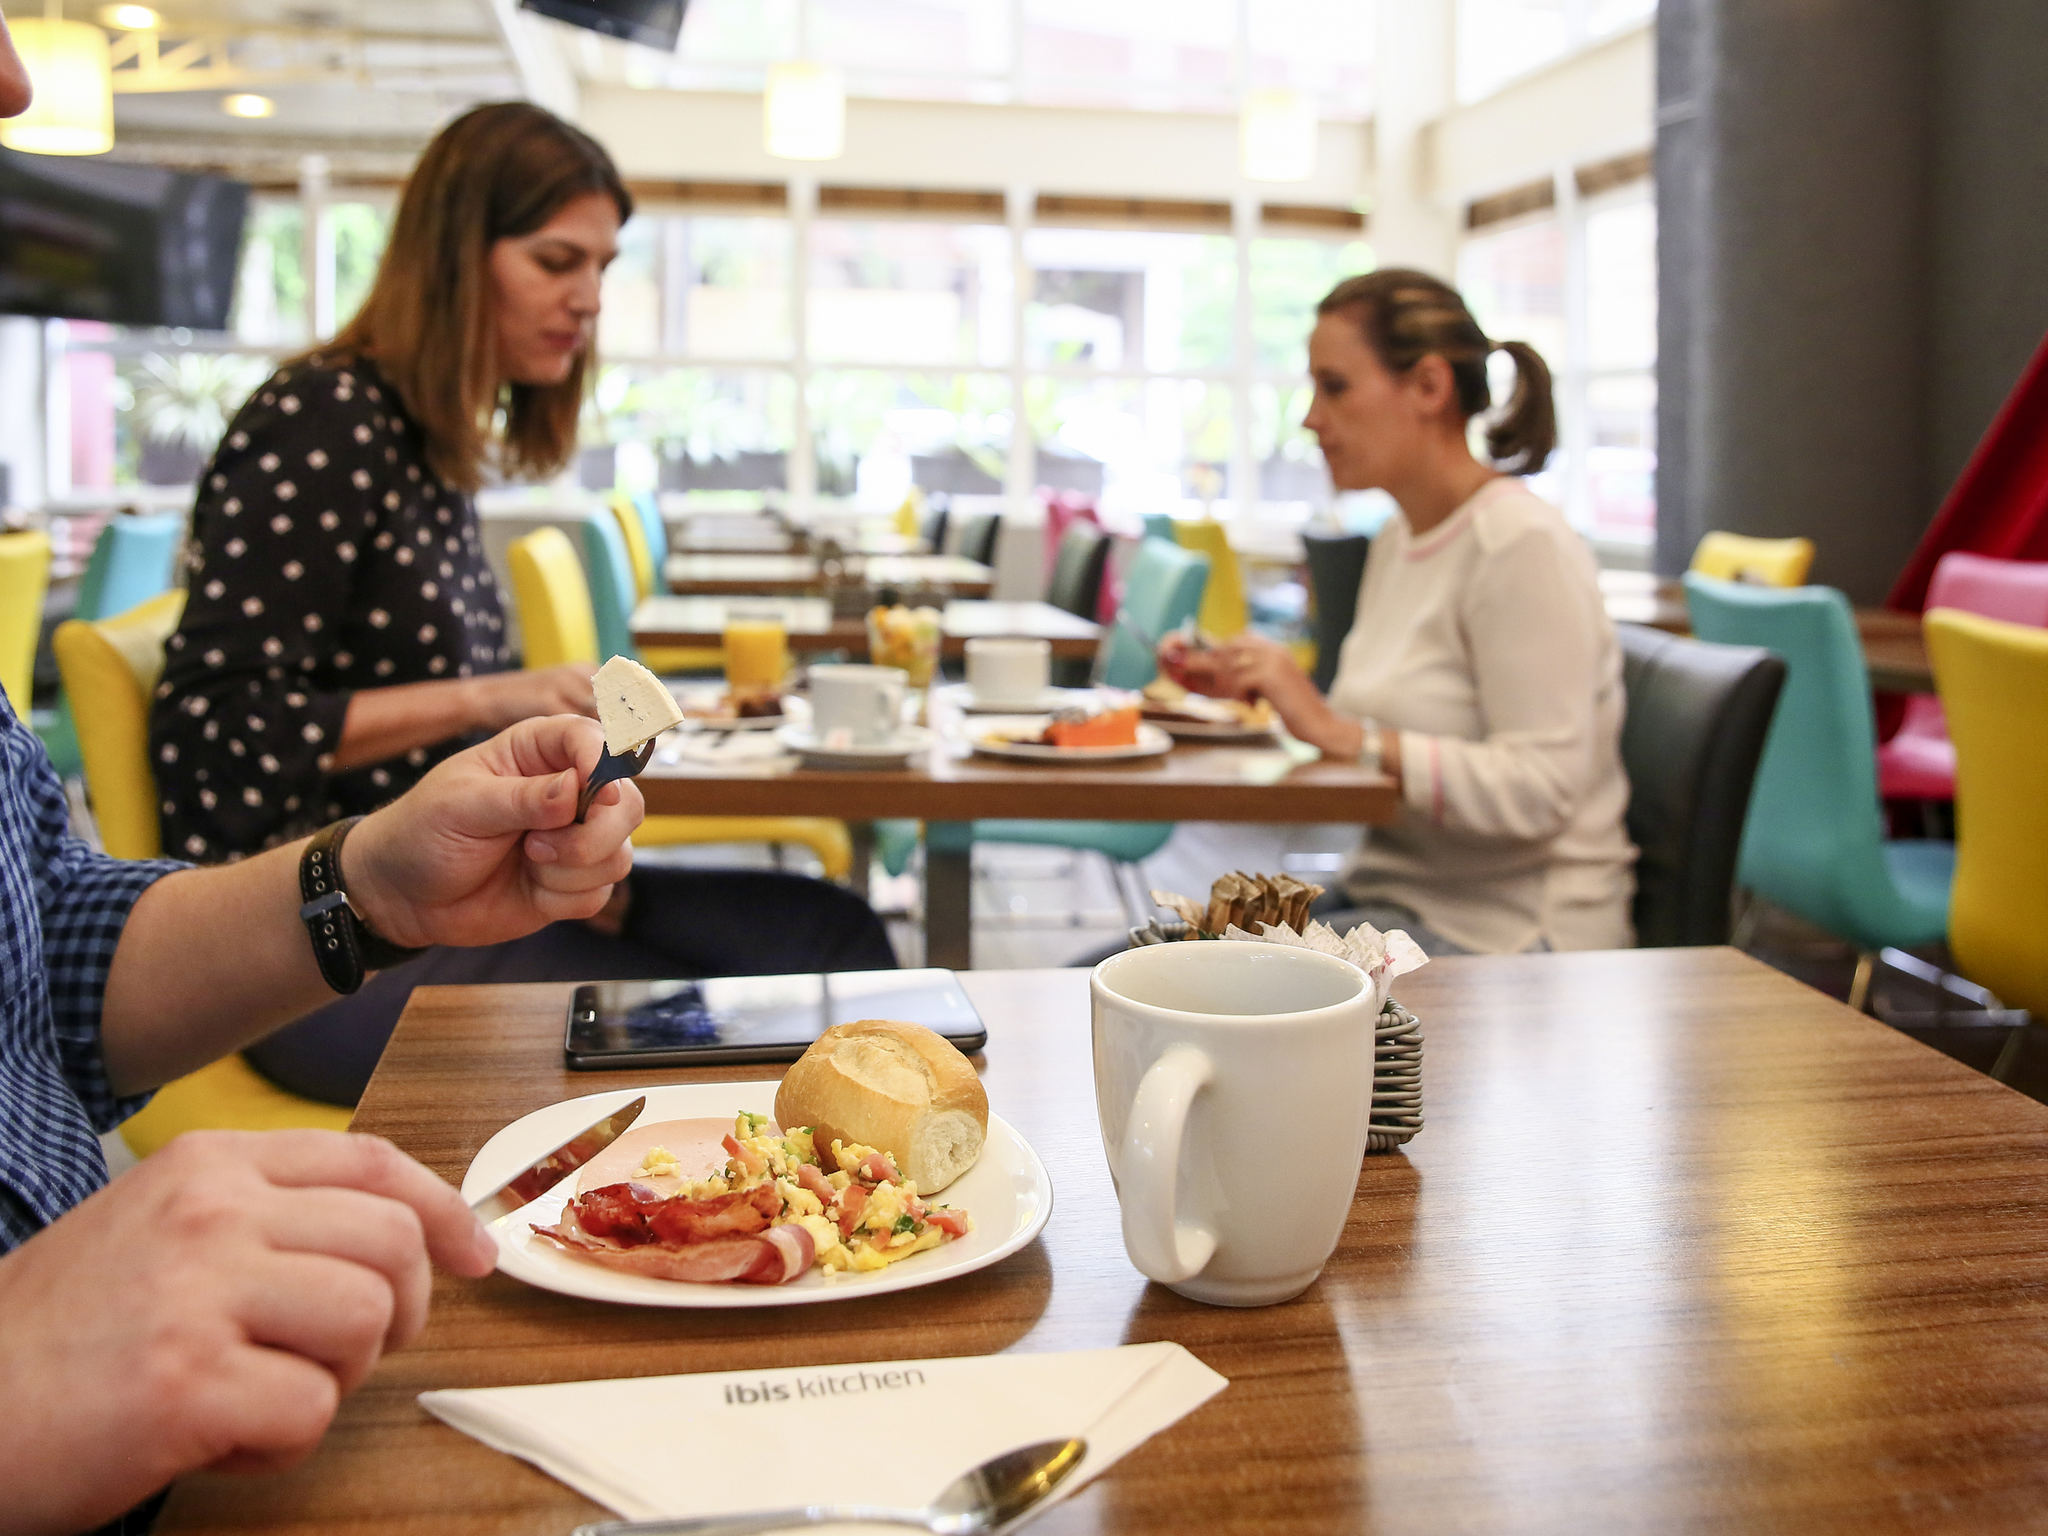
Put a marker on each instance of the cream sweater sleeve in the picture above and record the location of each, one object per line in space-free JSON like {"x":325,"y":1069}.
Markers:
{"x":1536,"y":653}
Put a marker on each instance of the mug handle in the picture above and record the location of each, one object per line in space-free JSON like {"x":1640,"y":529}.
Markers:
{"x":1163,"y":1247}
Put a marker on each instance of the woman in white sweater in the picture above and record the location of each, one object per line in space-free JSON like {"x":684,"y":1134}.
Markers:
{"x":1481,"y":673}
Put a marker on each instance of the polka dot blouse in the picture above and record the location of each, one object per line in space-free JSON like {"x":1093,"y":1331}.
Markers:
{"x":326,"y":556}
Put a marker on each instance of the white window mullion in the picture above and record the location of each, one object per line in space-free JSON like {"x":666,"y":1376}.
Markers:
{"x":803,"y":456}
{"x":1020,"y":477}
{"x":1244,"y":469}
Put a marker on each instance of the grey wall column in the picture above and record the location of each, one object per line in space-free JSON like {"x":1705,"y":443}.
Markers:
{"x":1792,"y":154}
{"x":1853,"y":242}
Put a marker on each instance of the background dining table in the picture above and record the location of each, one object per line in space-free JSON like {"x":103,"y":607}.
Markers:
{"x":795,"y":575}
{"x":811,"y":626}
{"x":1683,"y":1245}
{"x":1894,"y":651}
{"x":1274,"y":782}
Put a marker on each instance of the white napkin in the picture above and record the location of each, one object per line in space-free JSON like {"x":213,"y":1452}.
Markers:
{"x":763,"y":1439}
{"x":725,"y":753}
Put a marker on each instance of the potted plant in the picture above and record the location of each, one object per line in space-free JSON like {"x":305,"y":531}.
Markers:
{"x":181,"y":407}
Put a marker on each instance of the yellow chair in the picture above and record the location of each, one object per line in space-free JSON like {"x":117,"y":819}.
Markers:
{"x":1764,"y":562}
{"x":1223,"y":612}
{"x":109,"y":669}
{"x":1993,"y":678}
{"x":560,"y":626}
{"x":909,"y":520}
{"x":663,"y":659}
{"x":24,"y":578}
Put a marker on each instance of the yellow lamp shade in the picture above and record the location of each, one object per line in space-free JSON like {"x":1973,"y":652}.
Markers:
{"x":804,"y":112}
{"x":72,"y":70}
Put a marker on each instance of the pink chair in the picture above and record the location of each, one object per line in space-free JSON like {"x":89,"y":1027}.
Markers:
{"x":1919,"y":763}
{"x":1062,"y":509}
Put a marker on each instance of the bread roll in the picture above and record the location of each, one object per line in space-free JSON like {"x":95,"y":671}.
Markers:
{"x":896,"y":1087}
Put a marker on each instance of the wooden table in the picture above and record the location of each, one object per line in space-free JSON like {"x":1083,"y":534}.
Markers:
{"x":1194,"y":782}
{"x":1894,"y":649}
{"x":798,"y":575}
{"x":1682,"y":1246}
{"x":766,"y":538}
{"x":700,"y":621}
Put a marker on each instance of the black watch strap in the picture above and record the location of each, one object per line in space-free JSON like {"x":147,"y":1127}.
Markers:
{"x":343,"y":945}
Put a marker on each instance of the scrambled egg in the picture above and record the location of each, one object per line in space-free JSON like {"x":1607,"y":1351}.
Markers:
{"x":892,"y":1223}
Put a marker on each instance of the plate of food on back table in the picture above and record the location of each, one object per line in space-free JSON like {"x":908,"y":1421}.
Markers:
{"x":1201,"y":717}
{"x":1071,"y":736}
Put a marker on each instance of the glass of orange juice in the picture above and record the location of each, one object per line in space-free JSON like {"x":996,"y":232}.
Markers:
{"x":756,"y":654}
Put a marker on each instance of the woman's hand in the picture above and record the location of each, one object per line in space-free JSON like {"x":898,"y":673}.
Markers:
{"x":503,"y":699}
{"x":485,"y":848}
{"x":1250,"y":667}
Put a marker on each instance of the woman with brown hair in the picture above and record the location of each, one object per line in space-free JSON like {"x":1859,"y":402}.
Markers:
{"x":1481,"y":673}
{"x":343,"y":631}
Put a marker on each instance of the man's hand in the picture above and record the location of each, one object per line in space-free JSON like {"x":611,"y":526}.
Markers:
{"x":485,"y":849}
{"x":209,"y":1309}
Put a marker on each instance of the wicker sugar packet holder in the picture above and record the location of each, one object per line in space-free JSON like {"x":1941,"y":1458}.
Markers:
{"x":1397,"y":1035}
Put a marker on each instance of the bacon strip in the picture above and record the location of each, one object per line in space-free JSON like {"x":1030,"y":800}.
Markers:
{"x":755,"y":1260}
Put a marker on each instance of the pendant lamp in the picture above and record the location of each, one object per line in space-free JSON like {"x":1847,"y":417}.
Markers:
{"x":72,"y":69}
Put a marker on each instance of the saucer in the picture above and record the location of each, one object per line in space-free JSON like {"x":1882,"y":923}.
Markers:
{"x":806,"y":743}
{"x":1043,"y":702}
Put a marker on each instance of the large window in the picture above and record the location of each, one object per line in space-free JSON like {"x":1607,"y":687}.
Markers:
{"x":1181,"y":55}
{"x":1580,"y":285}
{"x":835,"y":355}
{"x":1500,"y":40}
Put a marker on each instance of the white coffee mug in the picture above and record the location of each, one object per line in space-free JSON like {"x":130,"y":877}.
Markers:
{"x":1234,"y":1086}
{"x":855,"y":705}
{"x":1009,"y":670}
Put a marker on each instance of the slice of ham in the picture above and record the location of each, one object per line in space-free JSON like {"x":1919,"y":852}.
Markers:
{"x":747,"y":1260}
{"x":776,"y":1257}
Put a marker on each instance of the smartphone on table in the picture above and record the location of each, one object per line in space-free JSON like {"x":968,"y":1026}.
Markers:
{"x":726,"y":1019}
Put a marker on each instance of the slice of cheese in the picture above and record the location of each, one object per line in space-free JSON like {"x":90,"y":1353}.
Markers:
{"x":632,"y":705}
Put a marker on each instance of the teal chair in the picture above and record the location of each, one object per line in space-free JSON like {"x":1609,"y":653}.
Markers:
{"x":657,"y":536}
{"x":1814,"y":843}
{"x":1162,"y":591}
{"x":131,"y":562}
{"x":613,"y":591}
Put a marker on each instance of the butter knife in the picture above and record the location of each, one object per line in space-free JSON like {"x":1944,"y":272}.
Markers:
{"x":536,"y":1179}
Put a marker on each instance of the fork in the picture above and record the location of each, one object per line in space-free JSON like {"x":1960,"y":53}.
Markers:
{"x":609,"y":769}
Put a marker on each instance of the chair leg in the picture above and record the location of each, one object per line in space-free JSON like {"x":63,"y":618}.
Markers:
{"x":2009,"y":1054}
{"x":1131,"y":887}
{"x":1859,"y":984}
{"x":1748,"y":912}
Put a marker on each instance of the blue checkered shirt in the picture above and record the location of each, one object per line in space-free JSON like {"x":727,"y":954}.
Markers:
{"x":61,"y":911}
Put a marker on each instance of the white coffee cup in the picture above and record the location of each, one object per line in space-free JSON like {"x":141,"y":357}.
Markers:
{"x":1234,"y":1086}
{"x":1004,"y":670}
{"x":855,"y":705}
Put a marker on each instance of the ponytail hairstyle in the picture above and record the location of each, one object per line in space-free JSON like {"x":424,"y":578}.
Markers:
{"x":1407,"y":315}
{"x":499,"y":170}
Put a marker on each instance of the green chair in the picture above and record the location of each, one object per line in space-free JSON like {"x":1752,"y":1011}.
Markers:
{"x":131,"y":562}
{"x":1814,"y":843}
{"x":1162,"y":592}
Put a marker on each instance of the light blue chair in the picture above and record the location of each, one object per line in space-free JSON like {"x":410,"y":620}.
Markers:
{"x":657,"y":536}
{"x":1814,"y":843}
{"x":613,"y":592}
{"x":1162,"y":591}
{"x":131,"y":561}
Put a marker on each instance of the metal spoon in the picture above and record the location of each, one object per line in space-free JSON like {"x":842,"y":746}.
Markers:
{"x":986,"y":1499}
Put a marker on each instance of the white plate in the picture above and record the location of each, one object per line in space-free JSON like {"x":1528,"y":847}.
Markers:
{"x":909,"y":739}
{"x":694,"y":700}
{"x":1151,"y":742}
{"x":1007,"y":1192}
{"x":1213,"y":730}
{"x":1048,"y":701}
